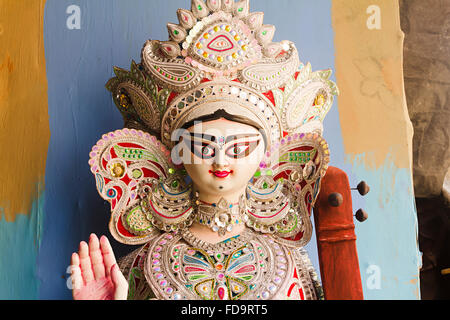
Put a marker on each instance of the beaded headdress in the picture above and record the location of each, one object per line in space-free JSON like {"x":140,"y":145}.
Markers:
{"x":219,"y":57}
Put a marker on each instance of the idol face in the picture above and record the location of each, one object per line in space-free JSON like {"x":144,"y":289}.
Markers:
{"x":223,"y":155}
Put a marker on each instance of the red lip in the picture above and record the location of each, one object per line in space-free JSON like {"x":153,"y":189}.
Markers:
{"x":221,"y":174}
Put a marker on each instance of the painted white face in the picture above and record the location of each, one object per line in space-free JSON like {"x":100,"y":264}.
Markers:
{"x":224,"y":156}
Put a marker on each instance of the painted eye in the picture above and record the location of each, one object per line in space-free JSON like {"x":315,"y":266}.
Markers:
{"x":238,"y":150}
{"x":207,"y":151}
{"x":203,"y":150}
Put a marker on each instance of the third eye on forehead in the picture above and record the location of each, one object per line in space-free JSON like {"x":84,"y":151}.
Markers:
{"x":228,"y":139}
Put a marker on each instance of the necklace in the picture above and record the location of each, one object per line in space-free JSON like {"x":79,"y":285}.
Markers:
{"x":221,"y":217}
{"x":224,"y":247}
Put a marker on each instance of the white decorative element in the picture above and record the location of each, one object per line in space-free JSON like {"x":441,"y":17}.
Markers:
{"x":255,"y":20}
{"x":176,"y":32}
{"x":271,"y":73}
{"x":199,"y":9}
{"x":227,"y":5}
{"x":305,"y":99}
{"x":265,"y":34}
{"x":214,"y":5}
{"x":163,"y":69}
{"x":186,"y":18}
{"x":170,"y":49}
{"x":74,"y":20}
{"x":272,"y":50}
{"x":241,"y":8}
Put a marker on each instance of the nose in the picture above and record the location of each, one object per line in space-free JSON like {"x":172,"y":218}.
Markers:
{"x":220,"y":160}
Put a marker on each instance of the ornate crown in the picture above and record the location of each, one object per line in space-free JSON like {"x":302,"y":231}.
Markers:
{"x":219,"y":57}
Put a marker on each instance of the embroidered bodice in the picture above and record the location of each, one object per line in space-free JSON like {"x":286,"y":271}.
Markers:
{"x":248,"y":267}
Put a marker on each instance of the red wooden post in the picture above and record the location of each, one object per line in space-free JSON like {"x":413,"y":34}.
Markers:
{"x":336,"y":240}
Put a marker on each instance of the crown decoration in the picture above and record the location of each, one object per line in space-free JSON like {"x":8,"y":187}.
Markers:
{"x":219,"y":50}
{"x":219,"y":56}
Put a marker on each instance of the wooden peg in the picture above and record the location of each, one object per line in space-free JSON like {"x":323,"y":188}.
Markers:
{"x":335,"y":199}
{"x":361,"y":215}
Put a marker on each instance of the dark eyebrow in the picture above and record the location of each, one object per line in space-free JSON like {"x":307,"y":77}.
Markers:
{"x":229,"y":138}
{"x":240,"y":136}
{"x":203,"y":136}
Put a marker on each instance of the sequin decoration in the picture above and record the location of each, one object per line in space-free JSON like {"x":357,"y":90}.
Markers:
{"x":240,"y":273}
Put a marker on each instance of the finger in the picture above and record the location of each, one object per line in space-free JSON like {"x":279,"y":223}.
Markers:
{"x":120,"y":283}
{"x":77,"y":280}
{"x":108,"y":255}
{"x":96,"y":257}
{"x":85,"y":263}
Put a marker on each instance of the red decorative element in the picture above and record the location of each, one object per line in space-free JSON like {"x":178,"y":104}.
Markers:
{"x":193,"y":269}
{"x":269,"y":95}
{"x":298,"y":237}
{"x":295,"y":284}
{"x":336,"y":240}
{"x":246,"y":269}
{"x":122,"y":230}
{"x":261,"y":217}
{"x":172,"y":96}
{"x":217,"y":43}
{"x":221,"y":293}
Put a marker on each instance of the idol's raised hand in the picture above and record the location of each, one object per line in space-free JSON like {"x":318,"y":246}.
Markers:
{"x":95,"y":273}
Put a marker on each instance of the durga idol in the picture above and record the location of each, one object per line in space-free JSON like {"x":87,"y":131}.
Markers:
{"x":217,"y":169}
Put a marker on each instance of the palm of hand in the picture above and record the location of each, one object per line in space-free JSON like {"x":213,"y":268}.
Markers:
{"x":95,"y":274}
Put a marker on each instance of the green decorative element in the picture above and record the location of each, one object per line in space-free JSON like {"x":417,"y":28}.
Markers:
{"x":298,"y":157}
{"x":197,"y":277}
{"x":257,"y":174}
{"x":137,"y":221}
{"x":200,"y":8}
{"x":171,"y":170}
{"x":136,"y":173}
{"x":240,"y":9}
{"x":264,"y":32}
{"x":176,"y":32}
{"x":175,"y":184}
{"x":135,"y":274}
{"x":269,"y":173}
{"x":265,"y":185}
{"x":134,"y":154}
{"x":162,"y":98}
{"x":284,"y":231}
{"x":246,"y":278}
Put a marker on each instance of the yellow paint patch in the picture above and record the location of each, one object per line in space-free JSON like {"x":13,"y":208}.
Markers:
{"x":24,"y":126}
{"x":369,"y":70}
